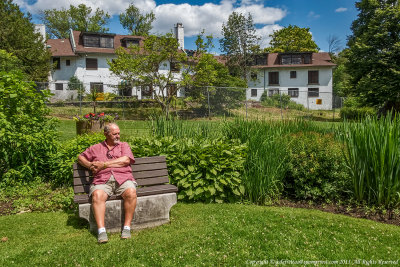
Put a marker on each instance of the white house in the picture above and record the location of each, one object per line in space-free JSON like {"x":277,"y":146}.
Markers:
{"x":85,"y":56}
{"x":306,"y":77}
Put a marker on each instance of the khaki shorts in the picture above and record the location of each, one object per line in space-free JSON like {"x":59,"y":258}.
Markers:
{"x":112,"y":187}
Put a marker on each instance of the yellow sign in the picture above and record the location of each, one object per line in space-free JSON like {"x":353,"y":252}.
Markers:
{"x":319,"y":102}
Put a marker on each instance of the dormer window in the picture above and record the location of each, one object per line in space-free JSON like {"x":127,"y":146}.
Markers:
{"x":293,"y":59}
{"x":96,"y":40}
{"x":126,"y":42}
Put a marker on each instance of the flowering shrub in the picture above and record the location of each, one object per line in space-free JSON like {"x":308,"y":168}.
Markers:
{"x":97,"y":117}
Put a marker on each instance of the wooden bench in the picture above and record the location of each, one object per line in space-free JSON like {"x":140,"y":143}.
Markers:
{"x":155,"y":196}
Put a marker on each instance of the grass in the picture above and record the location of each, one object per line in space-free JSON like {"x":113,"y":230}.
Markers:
{"x":373,"y":158}
{"x":67,"y":128}
{"x":199,"y":234}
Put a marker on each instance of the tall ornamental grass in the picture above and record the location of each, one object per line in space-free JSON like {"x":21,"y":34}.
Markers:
{"x":163,"y":127}
{"x":373,"y":157}
{"x":265,"y":165}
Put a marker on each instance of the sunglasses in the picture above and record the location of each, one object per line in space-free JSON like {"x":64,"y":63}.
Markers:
{"x":109,"y":156}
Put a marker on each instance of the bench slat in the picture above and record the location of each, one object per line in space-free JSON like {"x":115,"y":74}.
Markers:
{"x":139,"y":171}
{"x":138,"y":161}
{"x":144,"y":191}
{"x":84,"y":188}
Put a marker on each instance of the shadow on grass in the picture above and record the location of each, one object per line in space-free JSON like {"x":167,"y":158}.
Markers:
{"x":76,"y":222}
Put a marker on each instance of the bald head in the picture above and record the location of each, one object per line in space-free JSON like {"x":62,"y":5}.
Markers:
{"x":111,"y":131}
{"x":108,"y":127}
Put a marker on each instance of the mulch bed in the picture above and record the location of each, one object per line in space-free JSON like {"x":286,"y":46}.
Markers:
{"x":6,"y":207}
{"x":388,"y":217}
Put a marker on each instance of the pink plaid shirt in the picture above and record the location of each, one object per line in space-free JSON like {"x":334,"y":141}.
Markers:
{"x":98,"y":152}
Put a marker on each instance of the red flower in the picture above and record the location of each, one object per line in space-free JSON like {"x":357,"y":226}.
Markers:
{"x":101,"y":114}
{"x":87,"y":116}
{"x":92,"y":114}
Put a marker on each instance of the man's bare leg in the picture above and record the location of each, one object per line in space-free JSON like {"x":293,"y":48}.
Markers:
{"x":130,"y":198}
{"x":99,"y":198}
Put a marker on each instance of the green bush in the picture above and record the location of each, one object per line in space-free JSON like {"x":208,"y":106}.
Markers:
{"x":204,"y":170}
{"x":316,"y":168}
{"x":67,"y":155}
{"x":356,"y":113}
{"x":27,"y":135}
{"x":280,"y":100}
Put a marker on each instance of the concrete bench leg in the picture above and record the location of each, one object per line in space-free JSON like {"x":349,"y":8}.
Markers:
{"x":150,"y":211}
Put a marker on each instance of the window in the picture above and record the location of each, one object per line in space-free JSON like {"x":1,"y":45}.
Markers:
{"x":293,"y":59}
{"x":175,"y":67}
{"x":59,"y":86}
{"x":98,"y":41}
{"x":313,"y":77}
{"x":273,"y":77}
{"x":131,"y":42}
{"x":272,"y":92}
{"x":91,"y":63}
{"x":260,"y":60}
{"x":293,"y":74}
{"x":253,"y":75}
{"x":313,"y":92}
{"x":253,"y":92}
{"x":68,"y":62}
{"x":96,"y":86}
{"x":307,"y":59}
{"x":147,"y":91}
{"x":56,"y":62}
{"x":293,"y":92}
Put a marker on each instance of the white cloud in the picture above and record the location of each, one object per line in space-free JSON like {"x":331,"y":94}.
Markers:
{"x":265,"y":31}
{"x":313,"y":15}
{"x":195,"y":18}
{"x":341,"y":9}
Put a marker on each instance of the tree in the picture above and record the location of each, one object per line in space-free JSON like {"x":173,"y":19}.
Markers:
{"x":239,"y":43}
{"x":28,"y":137}
{"x":374,"y":54}
{"x":292,"y":39}
{"x":78,"y":18}
{"x":212,"y":83}
{"x":334,"y":44}
{"x":138,"y":24}
{"x":9,"y":62}
{"x":147,"y":65}
{"x":18,"y":36}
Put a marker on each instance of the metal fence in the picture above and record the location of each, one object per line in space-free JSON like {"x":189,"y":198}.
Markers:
{"x":140,"y":102}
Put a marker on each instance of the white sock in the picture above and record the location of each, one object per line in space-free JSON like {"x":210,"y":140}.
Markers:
{"x":101,"y":230}
{"x":127,"y":227}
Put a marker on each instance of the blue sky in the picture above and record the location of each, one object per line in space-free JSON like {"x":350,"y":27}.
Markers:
{"x":323,"y":17}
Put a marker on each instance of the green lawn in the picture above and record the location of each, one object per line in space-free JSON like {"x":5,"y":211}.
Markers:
{"x":200,"y":234}
{"x":67,"y":128}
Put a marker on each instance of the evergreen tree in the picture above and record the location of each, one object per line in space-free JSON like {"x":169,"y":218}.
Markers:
{"x":239,"y":43}
{"x":374,"y":54}
{"x":18,"y":37}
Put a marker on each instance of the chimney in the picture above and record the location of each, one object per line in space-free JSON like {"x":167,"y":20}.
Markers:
{"x":41,"y":28}
{"x":179,"y":34}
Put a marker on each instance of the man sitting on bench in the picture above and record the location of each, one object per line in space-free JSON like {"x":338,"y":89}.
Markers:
{"x":110,"y":162}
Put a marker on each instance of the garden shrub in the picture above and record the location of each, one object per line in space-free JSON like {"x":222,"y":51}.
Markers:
{"x":356,"y":113}
{"x":316,"y":168}
{"x":67,"y":155}
{"x":27,"y":136}
{"x":280,"y":100}
{"x":203,"y":169}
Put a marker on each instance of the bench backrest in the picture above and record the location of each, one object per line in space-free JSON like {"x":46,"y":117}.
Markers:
{"x":146,"y":171}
